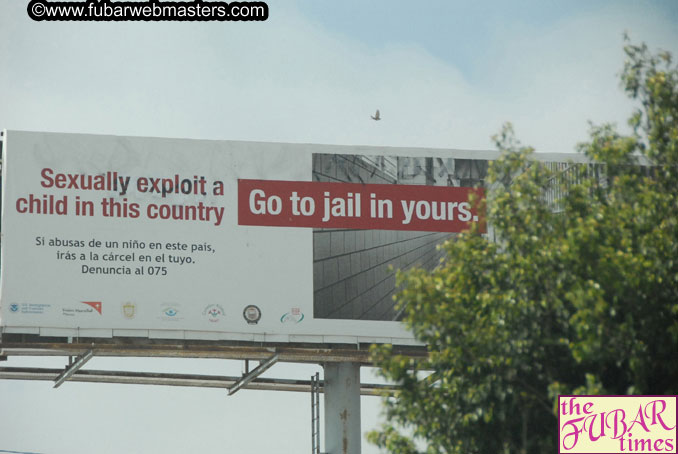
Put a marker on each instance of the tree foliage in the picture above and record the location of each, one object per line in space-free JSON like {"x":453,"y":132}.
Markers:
{"x":576,"y":293}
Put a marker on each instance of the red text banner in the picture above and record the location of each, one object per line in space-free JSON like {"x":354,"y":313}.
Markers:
{"x":359,"y":206}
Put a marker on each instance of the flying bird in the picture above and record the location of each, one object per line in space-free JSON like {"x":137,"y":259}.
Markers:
{"x":376,"y":116}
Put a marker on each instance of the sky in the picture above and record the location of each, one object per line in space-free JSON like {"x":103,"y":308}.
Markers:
{"x":444,"y":74}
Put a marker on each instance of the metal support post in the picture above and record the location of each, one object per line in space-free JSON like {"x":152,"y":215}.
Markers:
{"x":342,"y":408}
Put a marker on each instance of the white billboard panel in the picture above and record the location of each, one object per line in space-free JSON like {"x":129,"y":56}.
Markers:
{"x":188,"y":239}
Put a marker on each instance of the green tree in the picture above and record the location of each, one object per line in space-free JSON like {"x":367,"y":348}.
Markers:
{"x":577,"y":293}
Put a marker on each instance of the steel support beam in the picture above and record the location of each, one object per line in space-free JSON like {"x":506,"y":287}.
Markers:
{"x":73,"y":368}
{"x":253,"y":353}
{"x":247,"y":378}
{"x":172,"y":379}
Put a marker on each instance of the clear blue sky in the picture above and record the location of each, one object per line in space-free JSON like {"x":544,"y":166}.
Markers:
{"x":443,"y":73}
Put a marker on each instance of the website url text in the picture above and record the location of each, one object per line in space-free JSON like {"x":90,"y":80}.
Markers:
{"x":151,"y":10}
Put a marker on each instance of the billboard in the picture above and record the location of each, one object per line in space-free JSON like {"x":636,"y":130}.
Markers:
{"x":106,"y":236}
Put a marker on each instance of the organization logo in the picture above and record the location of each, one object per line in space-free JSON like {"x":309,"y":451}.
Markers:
{"x":294,"y":316}
{"x":29,"y":308}
{"x":171,"y":312}
{"x":129,"y":310}
{"x":617,"y":424}
{"x":252,"y":314}
{"x":213,"y":312}
{"x":96,"y":305}
{"x":92,"y":307}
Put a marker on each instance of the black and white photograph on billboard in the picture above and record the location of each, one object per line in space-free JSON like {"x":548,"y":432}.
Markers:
{"x":354,"y":270}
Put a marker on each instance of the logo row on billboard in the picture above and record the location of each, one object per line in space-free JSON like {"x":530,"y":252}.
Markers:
{"x":170,"y":312}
